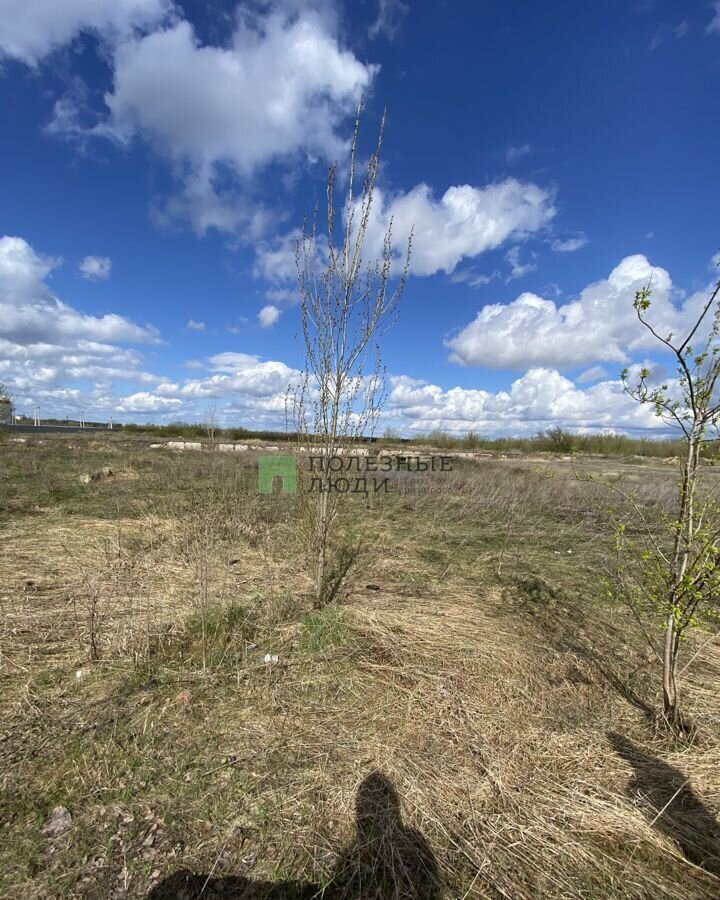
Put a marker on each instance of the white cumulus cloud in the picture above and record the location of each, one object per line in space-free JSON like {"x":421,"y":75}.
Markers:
{"x":95,"y":268}
{"x":569,"y":245}
{"x":538,"y":399}
{"x":462,"y":224}
{"x":280,"y":89}
{"x":600,"y":325}
{"x":268,"y":315}
{"x":30,"y":29}
{"x":465,"y":222}
{"x":45,"y":343}
{"x":276,"y":261}
{"x":514,"y":153}
{"x":283,"y":85}
{"x":518,"y":269}
{"x":594,"y":373}
{"x":714,"y":26}
{"x":146,"y":402}
{"x":389,"y":19}
{"x":29,"y":313}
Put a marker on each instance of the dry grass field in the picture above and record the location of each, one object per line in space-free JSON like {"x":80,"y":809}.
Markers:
{"x":167,"y":682}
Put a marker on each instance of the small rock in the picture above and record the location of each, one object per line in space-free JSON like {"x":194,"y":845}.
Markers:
{"x":58,"y":823}
{"x":249,"y":861}
{"x":372,"y":587}
{"x":105,"y":472}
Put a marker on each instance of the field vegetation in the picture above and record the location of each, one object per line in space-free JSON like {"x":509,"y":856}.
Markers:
{"x":172,"y":702}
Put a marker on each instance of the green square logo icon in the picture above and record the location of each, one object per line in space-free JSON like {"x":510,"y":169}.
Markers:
{"x":271,"y":467}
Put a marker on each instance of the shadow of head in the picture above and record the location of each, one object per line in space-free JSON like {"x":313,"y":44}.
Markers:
{"x":377,"y":806}
{"x":671,"y":805}
{"x":385,"y":861}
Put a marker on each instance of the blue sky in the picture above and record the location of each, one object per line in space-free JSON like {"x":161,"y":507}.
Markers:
{"x":157,"y":158}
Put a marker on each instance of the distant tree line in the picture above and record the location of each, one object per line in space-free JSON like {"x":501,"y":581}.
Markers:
{"x":553,"y":440}
{"x":558,"y":440}
{"x":196,"y":430}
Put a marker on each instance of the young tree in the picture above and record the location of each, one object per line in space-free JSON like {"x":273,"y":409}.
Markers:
{"x":678,"y":580}
{"x":212,"y":421}
{"x":347,"y":304}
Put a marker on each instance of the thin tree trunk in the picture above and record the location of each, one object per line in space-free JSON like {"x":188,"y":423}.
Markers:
{"x":671,"y":700}
{"x":683,"y":542}
{"x":321,"y":550}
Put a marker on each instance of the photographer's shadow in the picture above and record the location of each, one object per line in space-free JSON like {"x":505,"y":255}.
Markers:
{"x":385,"y":861}
{"x":671,"y":805}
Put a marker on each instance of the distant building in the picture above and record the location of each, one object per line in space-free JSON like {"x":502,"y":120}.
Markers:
{"x":6,"y":410}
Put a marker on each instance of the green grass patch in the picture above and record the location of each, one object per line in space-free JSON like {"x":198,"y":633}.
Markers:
{"x":215,"y":637}
{"x":323,"y":629}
